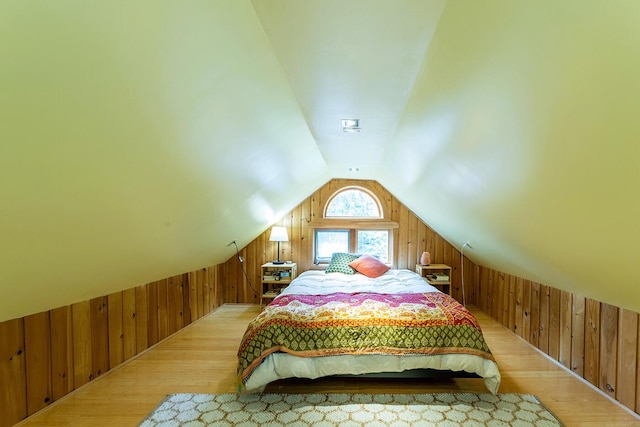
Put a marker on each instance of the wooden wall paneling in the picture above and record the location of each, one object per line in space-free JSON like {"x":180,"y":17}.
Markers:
{"x":403,"y":239}
{"x":116,"y":333}
{"x":61,"y":351}
{"x":193,"y":293}
{"x":592,"y":341}
{"x":543,"y":330}
{"x":13,"y":393}
{"x":564,"y":356}
{"x":491,"y":284}
{"x":305,"y":251}
{"x":439,"y":250}
{"x":430,"y":242}
{"x":627,"y":358}
{"x":152,"y":313}
{"x":526,"y":309}
{"x":608,"y":349}
{"x":163,"y":328}
{"x":212,"y":274}
{"x":209,"y":295}
{"x":195,"y":288}
{"x":206,"y":291}
{"x":37,"y":344}
{"x":82,"y":349}
{"x":451,"y":261}
{"x":186,"y":296}
{"x":199,"y":275}
{"x":512,"y":283}
{"x":421,"y":239}
{"x":578,"y":335}
{"x":474,"y":281}
{"x":483,"y":285}
{"x":413,"y":242}
{"x":395,"y":216}
{"x":554,"y":323}
{"x":501,"y":295}
{"x":249,"y":263}
{"x":508,"y":305}
{"x":142,"y":318}
{"x":496,"y":294}
{"x":295,"y":230}
{"x":220,"y":284}
{"x":99,"y":336}
{"x":286,"y":248}
{"x":534,"y":314}
{"x":519,"y":323}
{"x":174,"y":306}
{"x":233,"y":287}
{"x":129,"y":345}
{"x":227,"y":278}
{"x":213,"y":297}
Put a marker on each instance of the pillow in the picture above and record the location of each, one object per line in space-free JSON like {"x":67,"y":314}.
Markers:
{"x":369,"y":266}
{"x":340,"y":263}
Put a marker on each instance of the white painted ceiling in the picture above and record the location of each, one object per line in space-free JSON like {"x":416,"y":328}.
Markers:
{"x":137,"y":141}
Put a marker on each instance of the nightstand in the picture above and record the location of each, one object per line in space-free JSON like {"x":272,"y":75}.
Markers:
{"x":276,"y":277}
{"x":437,"y":275}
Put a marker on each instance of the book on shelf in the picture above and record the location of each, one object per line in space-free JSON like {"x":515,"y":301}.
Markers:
{"x":439,"y":277}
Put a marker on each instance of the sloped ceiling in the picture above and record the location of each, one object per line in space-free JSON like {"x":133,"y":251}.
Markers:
{"x":136,"y":142}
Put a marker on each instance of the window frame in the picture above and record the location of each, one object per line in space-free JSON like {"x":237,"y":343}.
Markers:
{"x":352,"y":242}
{"x":353,"y":224}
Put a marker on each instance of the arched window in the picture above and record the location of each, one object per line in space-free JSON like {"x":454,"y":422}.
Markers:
{"x":344,"y":230}
{"x":353,"y":202}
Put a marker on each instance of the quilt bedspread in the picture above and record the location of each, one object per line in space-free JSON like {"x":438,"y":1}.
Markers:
{"x":365,"y":323}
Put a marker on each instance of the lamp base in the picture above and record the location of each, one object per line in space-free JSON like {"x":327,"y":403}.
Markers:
{"x":277,"y":262}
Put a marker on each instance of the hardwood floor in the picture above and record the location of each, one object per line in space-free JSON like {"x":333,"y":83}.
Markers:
{"x":202,"y":359}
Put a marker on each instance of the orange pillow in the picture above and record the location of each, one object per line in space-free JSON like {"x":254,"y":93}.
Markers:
{"x":369,"y":266}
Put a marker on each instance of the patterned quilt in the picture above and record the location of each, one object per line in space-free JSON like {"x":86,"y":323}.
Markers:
{"x":364,"y":323}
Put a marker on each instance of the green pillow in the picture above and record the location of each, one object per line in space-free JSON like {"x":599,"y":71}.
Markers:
{"x":340,"y":263}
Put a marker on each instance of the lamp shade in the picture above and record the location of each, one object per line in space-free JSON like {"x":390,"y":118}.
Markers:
{"x":279,"y":234}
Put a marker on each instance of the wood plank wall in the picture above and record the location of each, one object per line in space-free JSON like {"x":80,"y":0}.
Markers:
{"x":594,"y":340}
{"x":46,"y":355}
{"x":411,"y":238}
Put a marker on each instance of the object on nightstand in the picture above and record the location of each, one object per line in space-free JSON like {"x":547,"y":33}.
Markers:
{"x":425,"y":259}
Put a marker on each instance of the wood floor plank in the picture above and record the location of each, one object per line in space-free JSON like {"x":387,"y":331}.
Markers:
{"x":202,"y":359}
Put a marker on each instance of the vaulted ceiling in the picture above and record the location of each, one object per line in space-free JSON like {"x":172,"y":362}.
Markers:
{"x":137,"y":140}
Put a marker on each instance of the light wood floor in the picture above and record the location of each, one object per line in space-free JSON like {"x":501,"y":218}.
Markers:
{"x":202,"y":359}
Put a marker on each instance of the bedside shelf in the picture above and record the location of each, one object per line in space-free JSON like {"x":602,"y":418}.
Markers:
{"x":275,"y":277}
{"x":428,"y":271}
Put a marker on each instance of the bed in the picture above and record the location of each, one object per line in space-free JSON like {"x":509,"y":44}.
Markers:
{"x":326,"y":324}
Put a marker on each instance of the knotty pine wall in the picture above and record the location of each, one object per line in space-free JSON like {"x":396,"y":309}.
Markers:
{"x":46,"y":355}
{"x":594,"y":340}
{"x":411,"y":238}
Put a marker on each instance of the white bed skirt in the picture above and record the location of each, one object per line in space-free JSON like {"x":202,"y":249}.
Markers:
{"x":282,"y":365}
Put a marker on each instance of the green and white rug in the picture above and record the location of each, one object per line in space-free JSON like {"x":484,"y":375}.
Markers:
{"x":351,"y":410}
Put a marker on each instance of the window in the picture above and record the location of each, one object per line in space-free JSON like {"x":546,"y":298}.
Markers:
{"x":343,"y":232}
{"x":330,"y":241}
{"x":373,"y":242}
{"x":353,"y":202}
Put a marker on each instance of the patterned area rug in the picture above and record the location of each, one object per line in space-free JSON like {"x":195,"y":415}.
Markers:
{"x":351,"y":410}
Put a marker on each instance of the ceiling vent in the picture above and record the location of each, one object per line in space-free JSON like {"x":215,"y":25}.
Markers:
{"x":351,"y":125}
